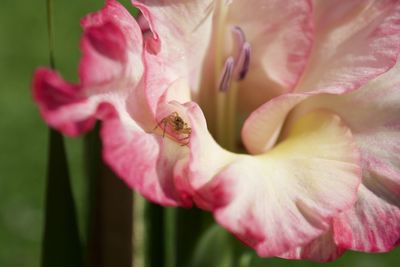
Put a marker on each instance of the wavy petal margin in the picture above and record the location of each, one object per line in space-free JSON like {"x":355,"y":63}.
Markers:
{"x":285,"y":198}
{"x":110,"y":68}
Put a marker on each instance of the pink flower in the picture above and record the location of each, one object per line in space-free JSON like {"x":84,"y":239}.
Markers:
{"x":317,"y":80}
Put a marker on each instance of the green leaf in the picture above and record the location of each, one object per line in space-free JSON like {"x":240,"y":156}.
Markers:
{"x":245,"y":259}
{"x":61,"y":242}
{"x":214,"y":249}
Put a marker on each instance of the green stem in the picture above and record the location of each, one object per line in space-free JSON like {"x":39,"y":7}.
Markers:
{"x":139,"y":240}
{"x":245,"y":260}
{"x":49,"y":7}
{"x":170,"y":237}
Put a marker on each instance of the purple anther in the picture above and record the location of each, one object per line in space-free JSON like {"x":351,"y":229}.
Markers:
{"x":241,"y":52}
{"x":240,"y":37}
{"x":226,"y":77}
{"x":244,"y":61}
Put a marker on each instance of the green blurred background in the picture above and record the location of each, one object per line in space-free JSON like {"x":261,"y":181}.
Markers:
{"x":23,"y":142}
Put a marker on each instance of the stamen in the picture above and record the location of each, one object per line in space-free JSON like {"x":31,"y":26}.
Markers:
{"x":244,"y":61}
{"x":226,"y":77}
{"x":242,"y":50}
{"x":239,"y":36}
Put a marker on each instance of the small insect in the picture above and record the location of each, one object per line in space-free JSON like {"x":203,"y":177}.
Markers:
{"x":178,"y":125}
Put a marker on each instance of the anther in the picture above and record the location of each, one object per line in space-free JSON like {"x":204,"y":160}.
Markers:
{"x":238,"y":35}
{"x":242,"y":51}
{"x":244,"y":61}
{"x":226,"y":77}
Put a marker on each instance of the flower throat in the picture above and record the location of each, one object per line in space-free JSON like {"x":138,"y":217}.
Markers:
{"x":229,"y":69}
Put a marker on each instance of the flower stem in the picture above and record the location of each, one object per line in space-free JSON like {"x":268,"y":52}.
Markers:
{"x":138,"y":231}
{"x":170,"y":237}
{"x":49,"y":7}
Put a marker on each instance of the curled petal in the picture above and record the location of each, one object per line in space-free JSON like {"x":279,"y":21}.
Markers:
{"x":145,"y":161}
{"x":155,"y":162}
{"x":372,"y":113}
{"x":112,"y":48}
{"x":62,"y":105}
{"x":286,"y":198}
{"x":373,"y":225}
{"x":207,"y":159}
{"x":262,"y":128}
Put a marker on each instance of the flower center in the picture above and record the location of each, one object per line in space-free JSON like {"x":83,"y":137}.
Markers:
{"x":237,"y":65}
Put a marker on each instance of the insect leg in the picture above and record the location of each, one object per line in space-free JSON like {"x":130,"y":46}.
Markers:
{"x":185,"y":138}
{"x":165,"y":125}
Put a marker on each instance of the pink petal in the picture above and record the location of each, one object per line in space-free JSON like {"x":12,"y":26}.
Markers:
{"x":62,"y":105}
{"x":145,"y":161}
{"x":372,"y":114}
{"x":113,"y":88}
{"x":285,"y":198}
{"x":110,"y":68}
{"x":155,"y":162}
{"x":180,"y":36}
{"x":321,"y":249}
{"x":262,"y":128}
{"x":281,"y":37}
{"x":348,"y":66}
{"x":355,"y":42}
{"x":111,"y":46}
{"x":155,"y":87}
{"x":206,"y":159}
{"x":373,"y":225}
